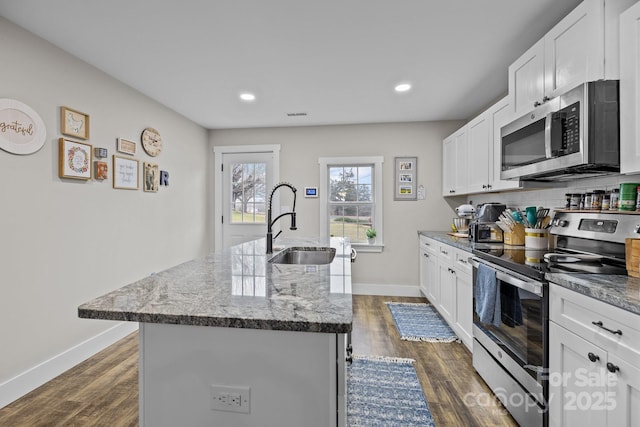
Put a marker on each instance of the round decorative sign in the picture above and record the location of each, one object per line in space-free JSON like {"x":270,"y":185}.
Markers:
{"x":22,"y":130}
{"x":151,"y":141}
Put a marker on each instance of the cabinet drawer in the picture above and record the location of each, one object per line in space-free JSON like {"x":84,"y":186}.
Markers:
{"x":462,"y":261}
{"x":429,"y":245}
{"x":446,"y":254}
{"x":588,"y":318}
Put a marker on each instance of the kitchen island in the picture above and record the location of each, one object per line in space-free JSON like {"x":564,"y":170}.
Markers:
{"x":232,"y":339}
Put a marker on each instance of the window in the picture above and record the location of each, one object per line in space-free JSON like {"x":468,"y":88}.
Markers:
{"x":351,"y":199}
{"x":248,"y":193}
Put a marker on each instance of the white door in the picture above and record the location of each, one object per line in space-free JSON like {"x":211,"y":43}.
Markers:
{"x":247,"y":179}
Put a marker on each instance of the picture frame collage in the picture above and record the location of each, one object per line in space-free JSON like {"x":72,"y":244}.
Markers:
{"x":406,"y":177}
{"x":76,"y":157}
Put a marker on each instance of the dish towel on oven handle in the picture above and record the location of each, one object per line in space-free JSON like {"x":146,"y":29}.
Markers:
{"x":487,"y":296}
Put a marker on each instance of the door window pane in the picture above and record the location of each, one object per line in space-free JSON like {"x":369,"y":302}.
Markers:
{"x":248,"y":193}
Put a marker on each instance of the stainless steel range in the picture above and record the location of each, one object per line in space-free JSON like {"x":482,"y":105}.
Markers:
{"x":510,"y":325}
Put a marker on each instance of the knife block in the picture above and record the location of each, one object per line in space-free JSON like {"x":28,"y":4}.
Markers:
{"x":516,"y":237}
{"x":632,"y":256}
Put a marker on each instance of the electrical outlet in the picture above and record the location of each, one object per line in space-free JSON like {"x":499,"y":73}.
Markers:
{"x":230,"y":398}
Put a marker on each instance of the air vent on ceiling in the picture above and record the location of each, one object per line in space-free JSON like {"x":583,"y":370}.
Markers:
{"x":296,"y":114}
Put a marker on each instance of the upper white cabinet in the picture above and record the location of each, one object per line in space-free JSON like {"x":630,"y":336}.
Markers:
{"x":630,"y":90}
{"x":455,"y":161}
{"x":580,"y":48}
{"x":471,"y":158}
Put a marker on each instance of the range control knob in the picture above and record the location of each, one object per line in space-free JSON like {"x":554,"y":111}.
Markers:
{"x":563,"y":223}
{"x":637,"y":229}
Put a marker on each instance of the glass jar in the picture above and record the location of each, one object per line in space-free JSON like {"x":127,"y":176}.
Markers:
{"x":615,"y":196}
{"x":606,"y":201}
{"x":567,"y":196}
{"x":587,"y":200}
{"x":575,"y":201}
{"x":596,"y":199}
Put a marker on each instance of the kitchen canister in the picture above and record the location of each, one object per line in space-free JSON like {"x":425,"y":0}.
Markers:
{"x":536,"y":238}
{"x":628,"y":196}
{"x":615,"y":197}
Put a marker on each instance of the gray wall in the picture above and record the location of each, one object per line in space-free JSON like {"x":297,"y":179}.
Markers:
{"x":64,"y":242}
{"x":302,"y":146}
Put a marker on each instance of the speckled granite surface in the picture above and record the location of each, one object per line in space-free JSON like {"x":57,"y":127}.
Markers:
{"x":458,"y":242}
{"x":239,"y":288}
{"x":620,"y":291}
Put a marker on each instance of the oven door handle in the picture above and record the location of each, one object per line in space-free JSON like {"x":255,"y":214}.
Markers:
{"x":533,"y":287}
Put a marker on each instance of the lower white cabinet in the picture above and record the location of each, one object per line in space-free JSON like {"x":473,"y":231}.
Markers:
{"x":594,"y":362}
{"x":446,"y":281}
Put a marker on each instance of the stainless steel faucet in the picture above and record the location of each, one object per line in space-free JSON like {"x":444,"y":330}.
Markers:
{"x":270,"y":223}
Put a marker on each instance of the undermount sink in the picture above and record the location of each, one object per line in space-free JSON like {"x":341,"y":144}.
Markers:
{"x":299,"y":255}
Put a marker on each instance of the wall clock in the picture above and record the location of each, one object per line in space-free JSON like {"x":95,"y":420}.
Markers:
{"x":151,"y":141}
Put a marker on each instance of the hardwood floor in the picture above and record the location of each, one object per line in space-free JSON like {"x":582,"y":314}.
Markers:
{"x":103,"y":390}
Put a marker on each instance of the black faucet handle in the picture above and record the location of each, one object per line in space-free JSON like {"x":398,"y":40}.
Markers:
{"x":293,"y":221}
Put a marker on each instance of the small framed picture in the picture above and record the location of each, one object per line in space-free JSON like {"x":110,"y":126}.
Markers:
{"x":74,"y":159}
{"x":406,"y":176}
{"x":125,"y":173}
{"x":74,"y":123}
{"x":102,"y":171}
{"x":126,"y":146}
{"x":151,"y":177}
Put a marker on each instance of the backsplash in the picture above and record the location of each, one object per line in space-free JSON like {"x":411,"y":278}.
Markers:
{"x":552,"y":197}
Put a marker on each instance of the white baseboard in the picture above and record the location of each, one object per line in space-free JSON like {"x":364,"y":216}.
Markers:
{"x":386,"y":290}
{"x":36,"y":376}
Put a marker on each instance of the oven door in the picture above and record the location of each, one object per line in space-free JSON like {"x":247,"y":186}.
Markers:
{"x":516,"y":337}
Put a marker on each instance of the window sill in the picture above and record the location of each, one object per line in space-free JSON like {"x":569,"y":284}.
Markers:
{"x":366,"y":247}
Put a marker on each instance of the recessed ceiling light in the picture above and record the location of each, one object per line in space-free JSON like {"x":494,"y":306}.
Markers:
{"x":248,"y":97}
{"x":403,"y":87}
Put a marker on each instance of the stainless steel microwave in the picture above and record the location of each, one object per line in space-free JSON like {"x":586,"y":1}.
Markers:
{"x":576,"y":134}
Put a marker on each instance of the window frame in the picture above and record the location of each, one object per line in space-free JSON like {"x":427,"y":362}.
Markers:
{"x":377,"y":162}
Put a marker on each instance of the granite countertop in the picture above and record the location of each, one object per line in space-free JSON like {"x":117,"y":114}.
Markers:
{"x":462,"y":243}
{"x":239,"y":288}
{"x":620,"y":291}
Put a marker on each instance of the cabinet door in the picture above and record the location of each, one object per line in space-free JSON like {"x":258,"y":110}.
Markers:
{"x":447,"y":281}
{"x":576,"y":372}
{"x":526,"y":80}
{"x":623,"y":398}
{"x":428,"y":275}
{"x":449,"y":169}
{"x":478,"y":154}
{"x":464,"y":307}
{"x":455,"y":173}
{"x":574,"y":49}
{"x":630,"y":90}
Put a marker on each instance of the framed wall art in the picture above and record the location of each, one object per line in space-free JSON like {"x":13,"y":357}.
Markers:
{"x":406,"y":177}
{"x":102,"y":171}
{"x":74,"y":159}
{"x":126,"y":146}
{"x":74,"y":123}
{"x":125,"y":173}
{"x":151,"y":177}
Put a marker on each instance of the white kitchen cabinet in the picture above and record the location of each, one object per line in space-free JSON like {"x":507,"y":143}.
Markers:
{"x":455,"y":171}
{"x":429,"y":270}
{"x":526,"y":79}
{"x":630,"y":90}
{"x":594,"y":354}
{"x":479,"y":146}
{"x":463,"y":314}
{"x":580,"y":48}
{"x":446,"y":281}
{"x":501,"y":114}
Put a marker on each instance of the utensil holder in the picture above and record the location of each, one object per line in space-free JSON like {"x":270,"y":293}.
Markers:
{"x":515,"y":237}
{"x":536,"y":238}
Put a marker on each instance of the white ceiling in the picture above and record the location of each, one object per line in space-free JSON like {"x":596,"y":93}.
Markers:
{"x":335,"y":60}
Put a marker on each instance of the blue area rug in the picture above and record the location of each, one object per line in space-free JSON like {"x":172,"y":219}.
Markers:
{"x":420,"y":322}
{"x":385,"y":392}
